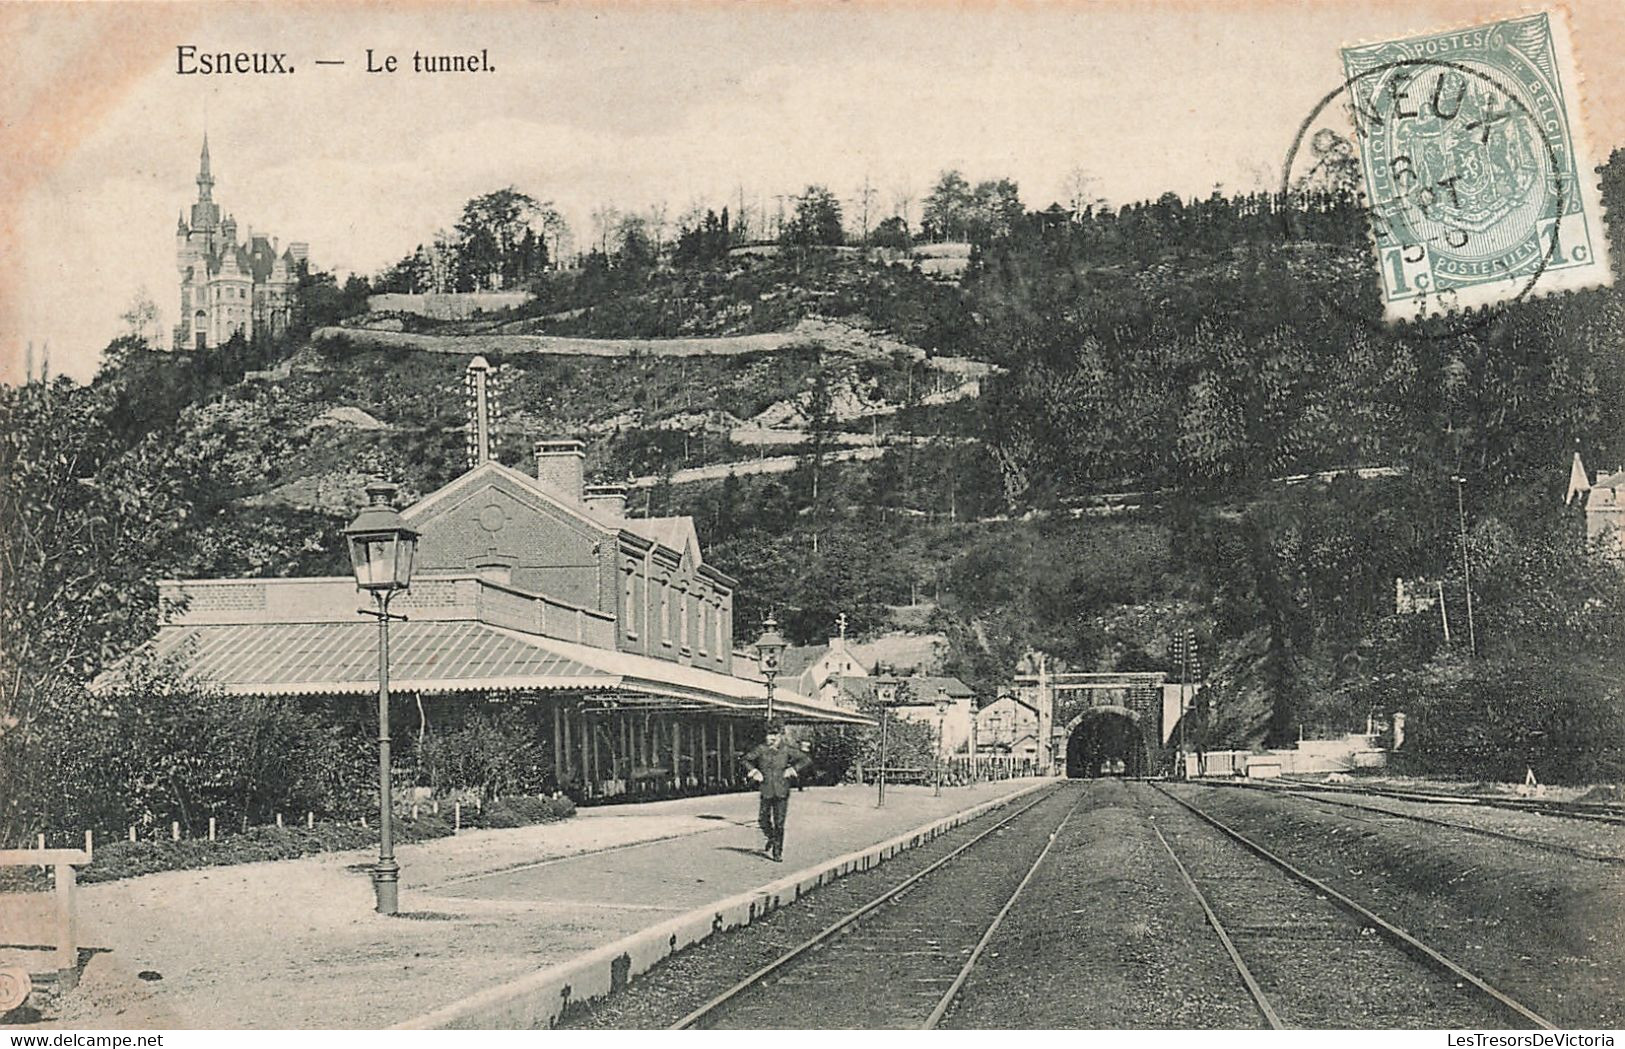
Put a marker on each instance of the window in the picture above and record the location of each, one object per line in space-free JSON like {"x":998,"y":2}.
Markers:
{"x":705,"y":624}
{"x":682,"y":599}
{"x":628,"y":613}
{"x":665,"y":611}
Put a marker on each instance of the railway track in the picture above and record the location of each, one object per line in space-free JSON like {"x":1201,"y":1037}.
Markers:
{"x":1487,"y":832}
{"x":901,"y":958}
{"x":1308,"y":955}
{"x":1595,"y":812}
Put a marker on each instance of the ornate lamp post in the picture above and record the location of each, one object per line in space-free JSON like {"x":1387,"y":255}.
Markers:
{"x":769,"y":647}
{"x":887,"y":695}
{"x":942,"y":714}
{"x":381,"y":549}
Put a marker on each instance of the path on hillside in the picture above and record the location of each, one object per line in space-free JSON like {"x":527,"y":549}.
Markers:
{"x":833,"y":336}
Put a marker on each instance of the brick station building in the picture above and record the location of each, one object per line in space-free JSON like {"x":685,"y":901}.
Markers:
{"x":535,"y":596}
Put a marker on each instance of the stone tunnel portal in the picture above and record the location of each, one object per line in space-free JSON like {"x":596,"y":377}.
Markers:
{"x":1107,"y":741}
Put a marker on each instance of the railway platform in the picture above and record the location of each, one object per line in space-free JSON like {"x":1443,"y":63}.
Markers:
{"x":295,"y":943}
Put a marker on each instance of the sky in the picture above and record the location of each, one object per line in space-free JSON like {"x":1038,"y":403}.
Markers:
{"x":630,"y":105}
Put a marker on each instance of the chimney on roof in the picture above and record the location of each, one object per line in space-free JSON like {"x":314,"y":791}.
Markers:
{"x":559,"y":468}
{"x":606,"y":502}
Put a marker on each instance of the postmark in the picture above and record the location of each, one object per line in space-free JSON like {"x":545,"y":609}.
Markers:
{"x":1475,"y":168}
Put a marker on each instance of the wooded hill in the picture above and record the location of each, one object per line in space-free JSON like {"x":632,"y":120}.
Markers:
{"x":1193,"y":352}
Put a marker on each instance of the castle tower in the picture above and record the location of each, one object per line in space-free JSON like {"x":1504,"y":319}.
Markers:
{"x":205,"y":213}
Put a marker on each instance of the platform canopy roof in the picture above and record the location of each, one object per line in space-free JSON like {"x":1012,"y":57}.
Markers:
{"x":265,"y":656}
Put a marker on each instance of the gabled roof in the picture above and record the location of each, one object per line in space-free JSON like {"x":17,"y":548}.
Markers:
{"x":1012,"y":697}
{"x":797,"y":658}
{"x":921,"y":690}
{"x":489,"y":470}
{"x":676,"y":534}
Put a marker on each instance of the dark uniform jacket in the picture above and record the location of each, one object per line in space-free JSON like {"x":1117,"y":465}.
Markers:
{"x":771,"y":763}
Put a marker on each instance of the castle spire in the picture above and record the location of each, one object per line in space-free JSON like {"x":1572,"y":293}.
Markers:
{"x":205,"y":181}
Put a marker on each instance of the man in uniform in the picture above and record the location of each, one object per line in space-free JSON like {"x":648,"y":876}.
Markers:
{"x":774,"y":764}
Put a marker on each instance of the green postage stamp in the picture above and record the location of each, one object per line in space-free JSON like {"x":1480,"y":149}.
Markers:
{"x":1480,"y":186}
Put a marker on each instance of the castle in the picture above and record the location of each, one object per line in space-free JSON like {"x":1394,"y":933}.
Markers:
{"x":229,"y":288}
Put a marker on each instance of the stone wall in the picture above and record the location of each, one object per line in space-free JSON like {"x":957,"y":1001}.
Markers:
{"x":450,"y":306}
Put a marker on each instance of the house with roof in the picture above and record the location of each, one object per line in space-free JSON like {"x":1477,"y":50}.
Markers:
{"x":1008,"y":726}
{"x":1605,"y":509}
{"x":536,"y":596}
{"x":814,"y":670}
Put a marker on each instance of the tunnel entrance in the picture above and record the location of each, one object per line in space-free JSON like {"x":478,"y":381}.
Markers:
{"x":1106,"y":741}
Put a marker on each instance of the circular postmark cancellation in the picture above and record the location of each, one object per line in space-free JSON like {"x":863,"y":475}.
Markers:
{"x":1470,"y":169}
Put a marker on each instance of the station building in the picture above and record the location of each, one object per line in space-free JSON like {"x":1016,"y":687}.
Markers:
{"x":535,"y":596}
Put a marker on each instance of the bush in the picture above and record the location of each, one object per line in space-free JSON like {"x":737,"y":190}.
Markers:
{"x":520,"y":812}
{"x":490,"y":755}
{"x":157,"y":749}
{"x":129,"y":859}
{"x":1497,"y":718}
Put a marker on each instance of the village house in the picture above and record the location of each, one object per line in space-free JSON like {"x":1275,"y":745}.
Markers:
{"x":1008,"y":726}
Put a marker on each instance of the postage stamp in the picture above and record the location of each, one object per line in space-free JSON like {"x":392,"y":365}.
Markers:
{"x":1476,"y":172}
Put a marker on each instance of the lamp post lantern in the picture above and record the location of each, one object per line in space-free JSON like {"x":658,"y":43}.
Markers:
{"x":887,"y":695}
{"x":942,"y":714}
{"x":381,"y":550}
{"x":769,"y":647}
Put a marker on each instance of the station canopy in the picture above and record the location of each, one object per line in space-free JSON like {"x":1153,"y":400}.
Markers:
{"x":444,"y":653}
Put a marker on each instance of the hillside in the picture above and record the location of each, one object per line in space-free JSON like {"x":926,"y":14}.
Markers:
{"x":1180,"y":352}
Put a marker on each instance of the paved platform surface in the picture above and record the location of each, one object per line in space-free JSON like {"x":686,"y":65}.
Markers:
{"x":295,"y":943}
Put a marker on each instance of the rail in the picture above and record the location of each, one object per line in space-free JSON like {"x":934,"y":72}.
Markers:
{"x":1389,"y":930}
{"x":715,"y":1005}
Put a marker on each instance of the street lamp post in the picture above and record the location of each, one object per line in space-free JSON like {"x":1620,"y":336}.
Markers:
{"x":382,"y":548}
{"x":768,"y":650}
{"x":887,"y":694}
{"x":942,"y":714}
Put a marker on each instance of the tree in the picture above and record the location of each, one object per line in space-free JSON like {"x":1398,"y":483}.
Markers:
{"x":500,"y":243}
{"x":892,"y":233}
{"x":410,"y":276}
{"x":142,"y":321}
{"x":996,"y":211}
{"x":320,"y":302}
{"x":1079,"y":188}
{"x":868,"y":194}
{"x":635,"y":250}
{"x":817,"y":219}
{"x":705,"y":243}
{"x":606,"y":219}
{"x":947,"y":207}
